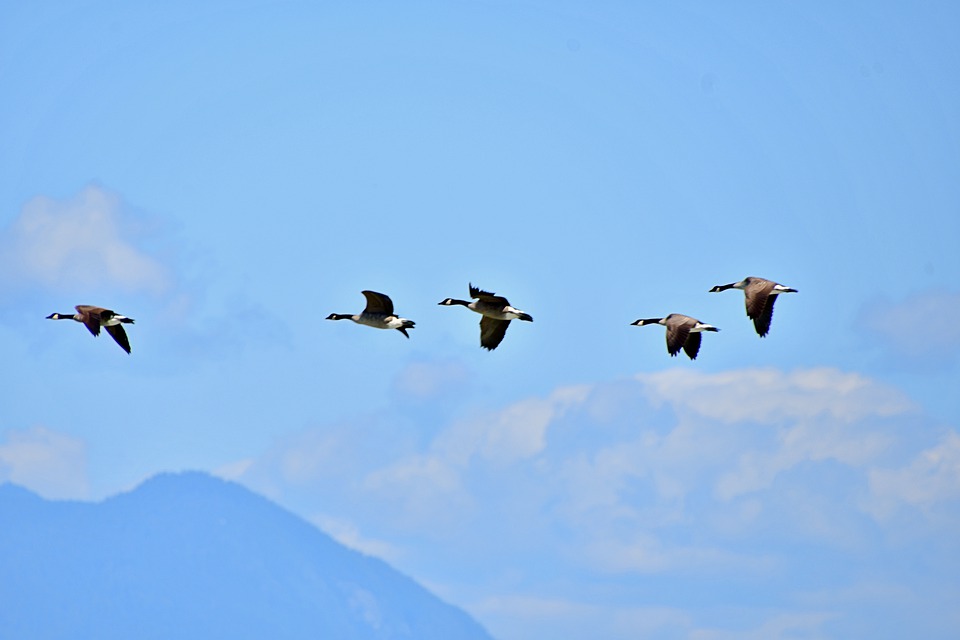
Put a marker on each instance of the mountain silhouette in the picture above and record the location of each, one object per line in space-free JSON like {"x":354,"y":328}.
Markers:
{"x":188,"y":556}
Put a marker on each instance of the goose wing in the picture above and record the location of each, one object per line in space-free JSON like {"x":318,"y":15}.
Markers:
{"x":90,"y":317}
{"x":755,"y":296}
{"x":119,"y":335}
{"x":487,"y":297}
{"x":762,"y":321}
{"x":678,"y":330}
{"x":378,"y":303}
{"x":492,"y":332}
{"x":692,"y":346}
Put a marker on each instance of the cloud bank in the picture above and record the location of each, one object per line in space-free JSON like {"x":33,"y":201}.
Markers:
{"x":750,"y":477}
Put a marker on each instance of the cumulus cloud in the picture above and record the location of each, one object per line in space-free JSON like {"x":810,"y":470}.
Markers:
{"x":722,"y":451}
{"x":757,"y":468}
{"x":774,"y":396}
{"x":348,"y":534}
{"x":745,"y":428}
{"x":513,"y":433}
{"x":647,"y":553}
{"x":532,"y":616}
{"x":718,"y":475}
{"x":435,"y":480}
{"x":87,"y":241}
{"x":931,"y":479}
{"x":779,"y":625}
{"x":424,"y":486}
{"x":52,"y":464}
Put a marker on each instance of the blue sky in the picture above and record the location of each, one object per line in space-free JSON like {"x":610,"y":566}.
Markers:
{"x":229,"y":174}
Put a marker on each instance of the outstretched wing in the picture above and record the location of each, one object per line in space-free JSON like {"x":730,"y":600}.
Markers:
{"x":755,"y":296}
{"x":492,"y":332}
{"x":677,"y":337}
{"x":762,"y":322}
{"x":692,"y":346}
{"x":486,"y":296}
{"x":378,"y":303}
{"x":90,"y":317}
{"x":119,"y":335}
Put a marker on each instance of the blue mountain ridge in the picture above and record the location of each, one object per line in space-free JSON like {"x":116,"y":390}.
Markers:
{"x":190,"y":556}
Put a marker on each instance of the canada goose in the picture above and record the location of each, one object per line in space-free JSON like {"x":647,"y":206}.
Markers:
{"x":95,"y":317}
{"x":497,"y":314}
{"x":683,"y":332}
{"x":378,"y":314}
{"x":760,"y":295}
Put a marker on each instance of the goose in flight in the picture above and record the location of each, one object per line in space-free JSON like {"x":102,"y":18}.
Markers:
{"x":497,"y":314}
{"x":683,"y":332}
{"x":93,"y":318}
{"x":378,"y":314}
{"x":760,"y":295}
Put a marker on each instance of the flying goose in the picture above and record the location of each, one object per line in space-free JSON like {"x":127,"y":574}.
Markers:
{"x":497,"y":314}
{"x":95,"y":317}
{"x":378,"y":314}
{"x":683,"y":332}
{"x":760,"y":295}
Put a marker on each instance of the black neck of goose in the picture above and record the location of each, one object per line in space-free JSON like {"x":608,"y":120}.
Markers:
{"x":339,"y":316}
{"x":62,"y":316}
{"x":722,"y":287}
{"x":463,"y":302}
{"x":645,"y":321}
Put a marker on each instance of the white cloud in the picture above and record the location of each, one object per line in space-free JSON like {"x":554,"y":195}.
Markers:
{"x":84,"y":242}
{"x":50,"y":463}
{"x":753,"y":425}
{"x":774,"y":396}
{"x":526,"y":616}
{"x":779,"y":625}
{"x":533,"y":606}
{"x":514,"y":433}
{"x":647,"y":553}
{"x":233,"y":471}
{"x":416,"y":475}
{"x":434,"y":482}
{"x":929,"y":480}
{"x":348,"y":534}
{"x":679,"y":473}
{"x":606,"y":472}
{"x":807,"y":441}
